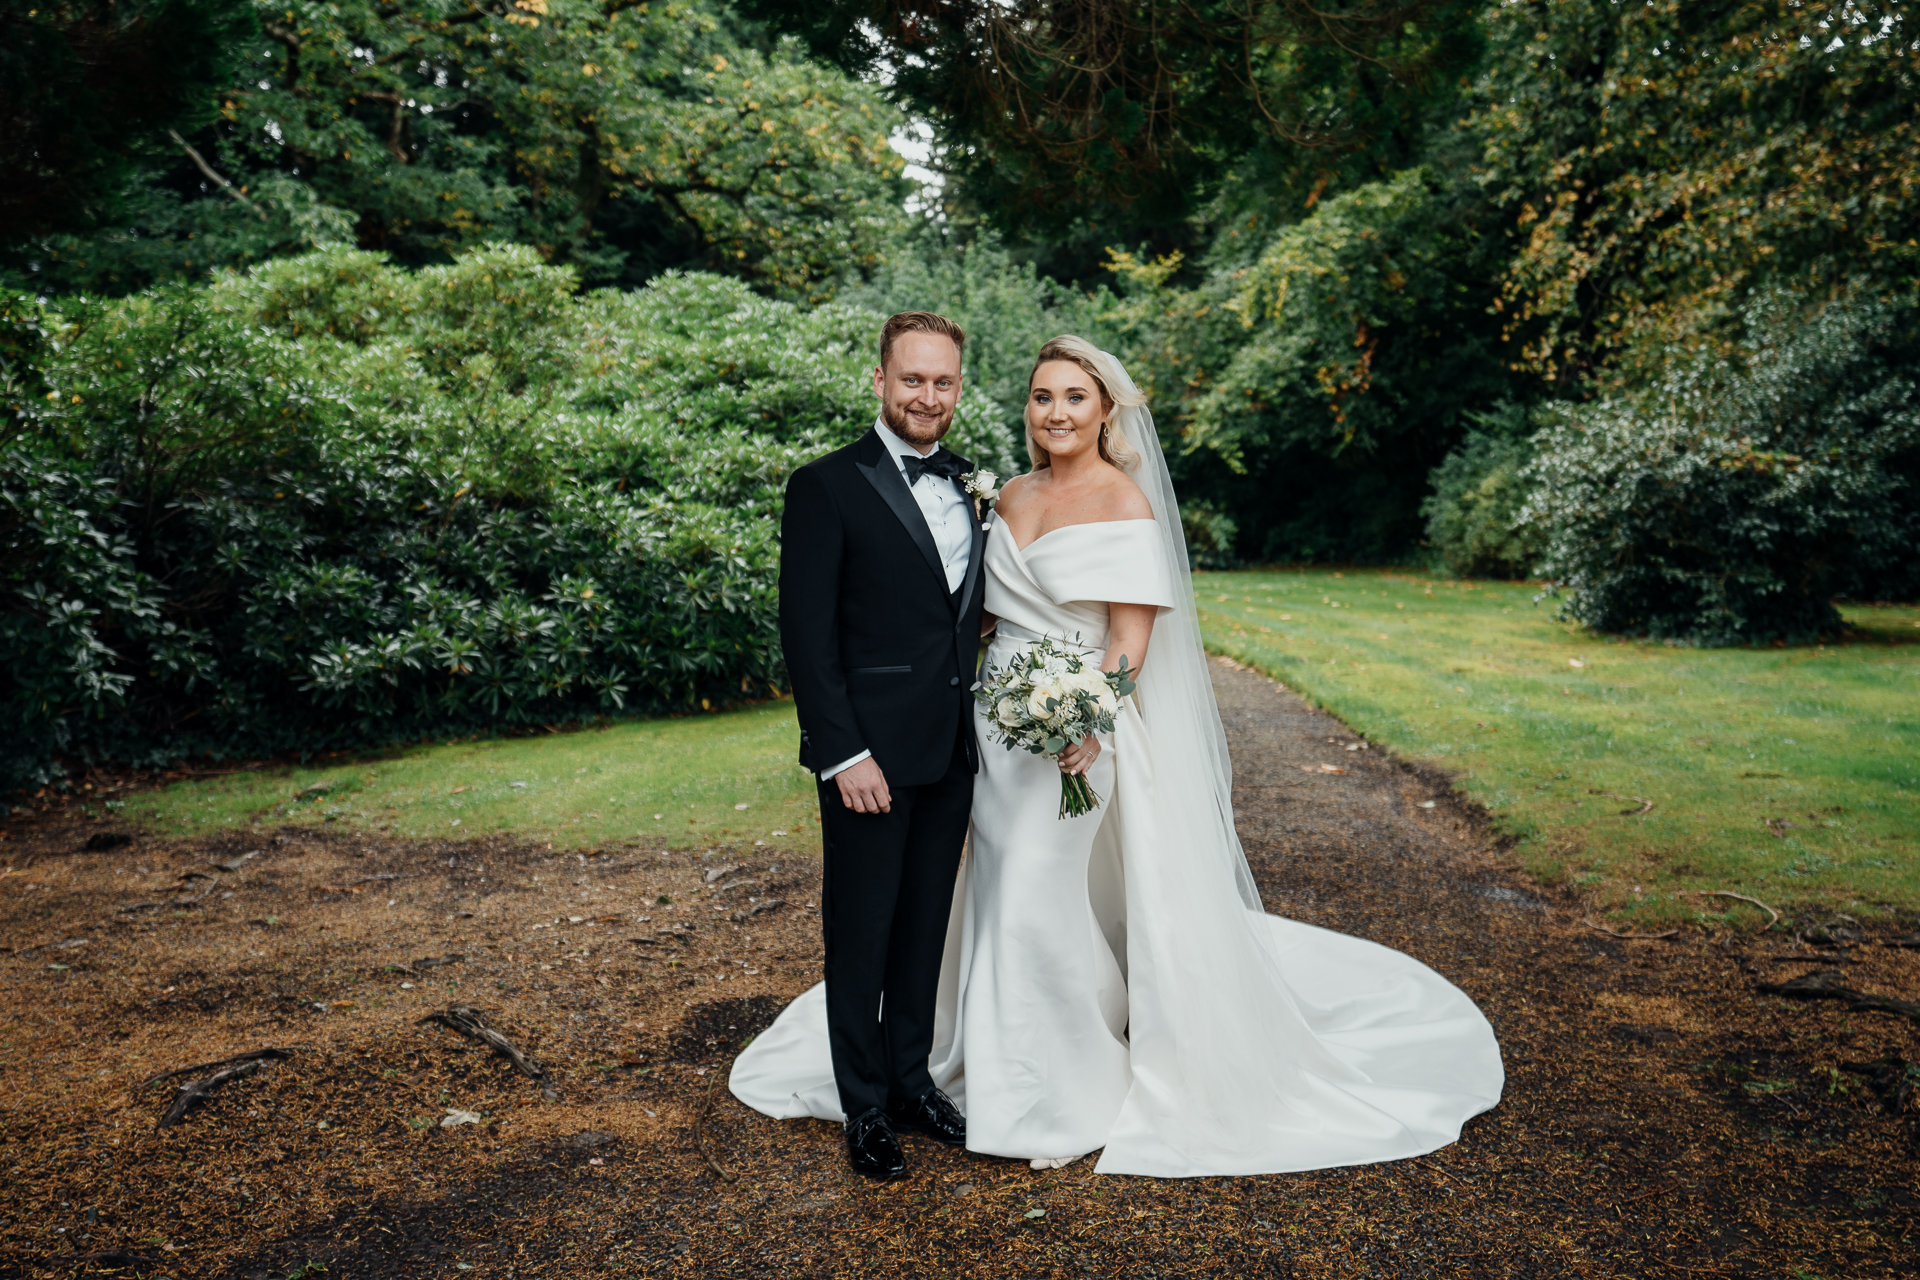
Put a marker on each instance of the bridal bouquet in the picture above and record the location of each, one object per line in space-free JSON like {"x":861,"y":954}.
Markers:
{"x":1045,"y":700}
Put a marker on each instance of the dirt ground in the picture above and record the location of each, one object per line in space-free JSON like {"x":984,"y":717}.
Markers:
{"x":1663,"y":1115}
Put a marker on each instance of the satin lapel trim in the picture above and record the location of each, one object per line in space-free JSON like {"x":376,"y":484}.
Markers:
{"x":887,"y":481}
{"x":979,"y":551}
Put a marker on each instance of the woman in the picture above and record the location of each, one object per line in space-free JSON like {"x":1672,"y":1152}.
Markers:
{"x":1111,"y":981}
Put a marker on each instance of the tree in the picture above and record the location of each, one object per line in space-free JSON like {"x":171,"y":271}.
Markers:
{"x":1311,"y":382}
{"x":1661,"y":161}
{"x":1087,"y":120}
{"x":620,"y":138}
{"x":90,"y":87}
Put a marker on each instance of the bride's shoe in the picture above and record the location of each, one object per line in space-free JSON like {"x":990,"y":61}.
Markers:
{"x":1053,"y":1162}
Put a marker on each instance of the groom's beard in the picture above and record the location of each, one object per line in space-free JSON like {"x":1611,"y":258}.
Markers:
{"x":902,"y":424}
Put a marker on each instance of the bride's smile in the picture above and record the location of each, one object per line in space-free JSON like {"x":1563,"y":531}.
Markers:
{"x":1064,"y":414}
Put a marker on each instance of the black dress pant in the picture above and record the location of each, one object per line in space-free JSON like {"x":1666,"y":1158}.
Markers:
{"x":884,"y":906}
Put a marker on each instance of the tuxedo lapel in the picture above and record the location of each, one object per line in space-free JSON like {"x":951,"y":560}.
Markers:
{"x":978,"y":553}
{"x":884,"y":475}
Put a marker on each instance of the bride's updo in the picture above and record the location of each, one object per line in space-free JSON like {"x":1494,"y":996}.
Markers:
{"x":1117,"y":394}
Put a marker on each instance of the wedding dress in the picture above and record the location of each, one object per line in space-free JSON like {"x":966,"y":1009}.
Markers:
{"x":1111,"y":981}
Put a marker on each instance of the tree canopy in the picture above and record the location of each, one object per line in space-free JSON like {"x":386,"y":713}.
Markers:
{"x":1659,"y":162}
{"x":88,"y":88}
{"x":622,"y":138}
{"x":1079,"y":121}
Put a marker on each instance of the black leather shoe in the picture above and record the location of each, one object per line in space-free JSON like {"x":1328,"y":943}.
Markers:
{"x":934,"y":1115}
{"x":872,"y":1147}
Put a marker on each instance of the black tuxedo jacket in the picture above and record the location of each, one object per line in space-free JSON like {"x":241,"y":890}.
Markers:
{"x":879,"y":652}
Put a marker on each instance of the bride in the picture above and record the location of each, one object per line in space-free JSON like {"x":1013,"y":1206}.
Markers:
{"x":1111,"y":982}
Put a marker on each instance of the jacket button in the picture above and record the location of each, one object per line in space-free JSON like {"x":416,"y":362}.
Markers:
{"x":954,"y":682}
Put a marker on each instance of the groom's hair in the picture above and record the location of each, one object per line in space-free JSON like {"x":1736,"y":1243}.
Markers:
{"x":917,"y":322}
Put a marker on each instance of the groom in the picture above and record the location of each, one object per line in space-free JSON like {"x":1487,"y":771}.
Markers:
{"x":880,"y":600}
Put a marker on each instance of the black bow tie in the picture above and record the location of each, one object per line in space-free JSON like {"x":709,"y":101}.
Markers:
{"x":940,"y":463}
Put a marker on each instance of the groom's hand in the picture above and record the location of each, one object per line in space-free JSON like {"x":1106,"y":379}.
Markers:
{"x":863,"y":788}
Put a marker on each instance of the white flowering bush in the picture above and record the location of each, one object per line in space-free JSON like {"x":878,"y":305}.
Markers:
{"x":1047,"y":698}
{"x":1735,"y":495}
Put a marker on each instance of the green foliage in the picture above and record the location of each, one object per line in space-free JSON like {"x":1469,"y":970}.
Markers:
{"x":1731,"y":499}
{"x":1473,"y":521}
{"x":1210,"y":535}
{"x":1315,"y":382}
{"x":334,"y":503}
{"x":621,"y":139}
{"x":1662,"y":160}
{"x":89,"y":87}
{"x":1073,"y":125}
{"x":1544,"y":724}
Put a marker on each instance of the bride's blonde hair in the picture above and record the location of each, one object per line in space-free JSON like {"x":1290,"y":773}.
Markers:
{"x":1117,"y":393}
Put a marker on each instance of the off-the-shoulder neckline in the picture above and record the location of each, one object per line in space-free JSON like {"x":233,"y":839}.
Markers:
{"x":1083,"y":524}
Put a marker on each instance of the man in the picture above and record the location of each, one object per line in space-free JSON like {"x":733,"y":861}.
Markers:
{"x":880,"y":601}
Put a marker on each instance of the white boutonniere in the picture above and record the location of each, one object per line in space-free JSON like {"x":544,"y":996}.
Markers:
{"x":983,"y":487}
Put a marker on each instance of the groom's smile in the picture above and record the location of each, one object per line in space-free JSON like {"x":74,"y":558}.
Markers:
{"x":918,"y":387}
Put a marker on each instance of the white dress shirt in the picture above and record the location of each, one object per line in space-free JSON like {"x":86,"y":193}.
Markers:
{"x":948,"y":519}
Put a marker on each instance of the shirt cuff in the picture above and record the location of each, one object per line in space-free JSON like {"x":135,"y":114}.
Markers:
{"x":845,"y":764}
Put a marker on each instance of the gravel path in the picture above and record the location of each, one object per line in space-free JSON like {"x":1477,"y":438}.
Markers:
{"x":1663,"y":1116}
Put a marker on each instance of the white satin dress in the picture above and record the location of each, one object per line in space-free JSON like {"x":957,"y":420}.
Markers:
{"x":1104,"y":987}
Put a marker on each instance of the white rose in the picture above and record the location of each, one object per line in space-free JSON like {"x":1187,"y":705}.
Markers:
{"x":1108,"y":702}
{"x":1043,"y":692}
{"x":1007,"y":712}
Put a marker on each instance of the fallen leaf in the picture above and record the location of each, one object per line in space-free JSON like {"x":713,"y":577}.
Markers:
{"x":1575,"y":662}
{"x":742,"y":806}
{"x":456,"y":1116}
{"x":457,"y":790}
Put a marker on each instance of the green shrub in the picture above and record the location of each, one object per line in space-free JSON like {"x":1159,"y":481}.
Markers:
{"x":1209,"y":533}
{"x":332,"y":504}
{"x":1731,"y":497}
{"x":1320,"y":370}
{"x":1473,"y":515}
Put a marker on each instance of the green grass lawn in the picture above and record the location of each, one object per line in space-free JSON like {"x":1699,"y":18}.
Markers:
{"x":697,"y":780}
{"x":1474,"y":677}
{"x":1535,"y":719}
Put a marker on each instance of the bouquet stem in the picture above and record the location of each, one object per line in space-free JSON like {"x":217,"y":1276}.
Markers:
{"x":1077,"y":796}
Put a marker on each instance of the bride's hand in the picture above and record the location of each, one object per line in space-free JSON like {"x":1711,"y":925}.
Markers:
{"x":1079,"y":757}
